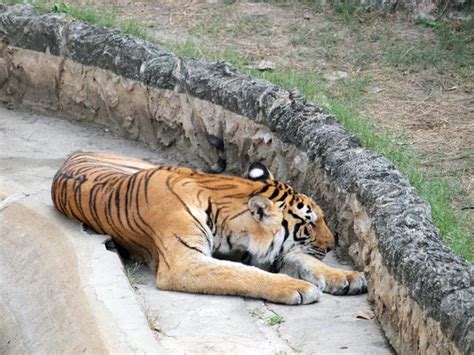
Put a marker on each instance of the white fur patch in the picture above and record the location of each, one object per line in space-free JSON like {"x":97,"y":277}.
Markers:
{"x":256,"y":173}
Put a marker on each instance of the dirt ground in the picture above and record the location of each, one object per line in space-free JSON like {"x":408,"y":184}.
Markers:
{"x":411,"y":83}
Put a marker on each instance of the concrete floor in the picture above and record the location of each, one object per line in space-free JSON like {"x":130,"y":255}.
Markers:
{"x":33,"y":146}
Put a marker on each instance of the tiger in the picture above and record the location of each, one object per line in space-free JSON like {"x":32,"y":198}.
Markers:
{"x":250,"y":236}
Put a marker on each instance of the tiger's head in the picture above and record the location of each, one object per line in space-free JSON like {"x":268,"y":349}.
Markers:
{"x":302,"y":220}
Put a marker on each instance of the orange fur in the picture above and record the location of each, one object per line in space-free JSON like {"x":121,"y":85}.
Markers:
{"x":192,"y":227}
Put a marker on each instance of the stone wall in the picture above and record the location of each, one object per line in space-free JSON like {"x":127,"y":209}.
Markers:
{"x":423,"y":294}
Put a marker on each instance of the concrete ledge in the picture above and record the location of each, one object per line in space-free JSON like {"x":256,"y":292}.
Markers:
{"x":67,"y":281}
{"x":421,"y":291}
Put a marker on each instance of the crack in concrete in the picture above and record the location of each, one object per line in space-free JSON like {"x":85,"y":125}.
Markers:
{"x":10,"y":200}
{"x":260,"y":313}
{"x":279,"y":332}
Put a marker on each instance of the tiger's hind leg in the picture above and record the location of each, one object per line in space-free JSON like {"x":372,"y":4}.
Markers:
{"x":329,"y":279}
{"x":190,"y":269}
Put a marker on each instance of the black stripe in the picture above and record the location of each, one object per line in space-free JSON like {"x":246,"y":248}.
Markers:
{"x":108,"y":215}
{"x":284,"y":223}
{"x":178,"y":238}
{"x":295,"y":231}
{"x":275,"y":193}
{"x":117,"y":203}
{"x":228,"y":241}
{"x":282,"y":198}
{"x":296,"y":216}
{"x":209,"y":220}
{"x":239,"y":195}
{"x":216,"y":216}
{"x":77,"y":194}
{"x":102,"y":176}
{"x":93,"y":208}
{"x":148,"y":176}
{"x":198,"y":224}
{"x":264,"y":189}
{"x":219,"y":187}
{"x":238,"y":214}
{"x":125,"y":204}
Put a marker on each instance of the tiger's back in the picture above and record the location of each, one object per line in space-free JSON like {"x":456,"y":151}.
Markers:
{"x":96,"y":189}
{"x":119,"y":196}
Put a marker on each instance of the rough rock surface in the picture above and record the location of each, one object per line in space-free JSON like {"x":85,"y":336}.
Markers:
{"x":401,"y":231}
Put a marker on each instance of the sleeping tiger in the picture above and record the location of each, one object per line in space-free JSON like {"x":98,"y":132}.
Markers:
{"x":205,"y":233}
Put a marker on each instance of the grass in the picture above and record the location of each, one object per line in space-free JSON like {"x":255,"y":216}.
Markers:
{"x":104,"y":18}
{"x":131,"y":271}
{"x":448,"y":51}
{"x":447,"y":47}
{"x":242,"y":25}
{"x":250,"y":25}
{"x":152,"y":317}
{"x":275,"y":319}
{"x":439,"y":192}
{"x":306,"y":36}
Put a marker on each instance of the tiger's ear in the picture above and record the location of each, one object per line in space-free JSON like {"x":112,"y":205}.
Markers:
{"x":257,"y":171}
{"x":264,"y":210}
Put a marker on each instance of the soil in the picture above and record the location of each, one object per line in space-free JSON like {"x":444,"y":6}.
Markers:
{"x":424,"y":106}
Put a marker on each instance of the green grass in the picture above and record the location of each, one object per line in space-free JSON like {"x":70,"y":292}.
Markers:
{"x":307,"y":36}
{"x":448,"y":47}
{"x":104,"y":18}
{"x":275,"y":319}
{"x":452,"y":49}
{"x":439,"y":192}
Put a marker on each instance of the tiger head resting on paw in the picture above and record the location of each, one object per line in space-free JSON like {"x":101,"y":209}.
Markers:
{"x":278,"y":221}
{"x":192,"y":227}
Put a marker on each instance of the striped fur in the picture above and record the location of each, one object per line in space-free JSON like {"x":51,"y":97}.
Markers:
{"x":206,"y":233}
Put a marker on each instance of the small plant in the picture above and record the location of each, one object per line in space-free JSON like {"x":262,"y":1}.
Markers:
{"x":153,"y":321}
{"x":428,"y":23}
{"x":275,"y":319}
{"x":131,"y":271}
{"x":135,"y":29}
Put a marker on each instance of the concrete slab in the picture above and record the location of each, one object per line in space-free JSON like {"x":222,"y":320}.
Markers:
{"x":60,"y":289}
{"x":32,"y":148}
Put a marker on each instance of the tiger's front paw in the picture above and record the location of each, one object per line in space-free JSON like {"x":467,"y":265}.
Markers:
{"x":296,"y":292}
{"x":343,"y":282}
